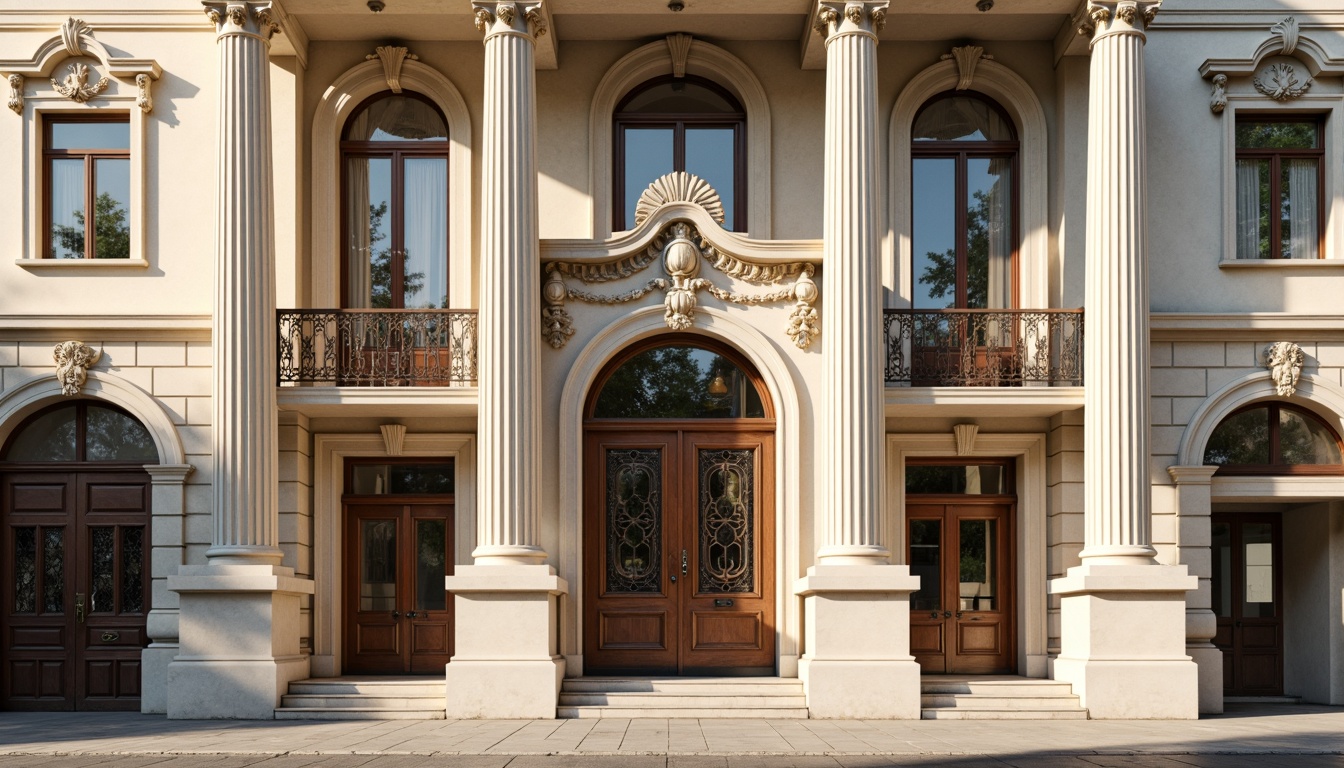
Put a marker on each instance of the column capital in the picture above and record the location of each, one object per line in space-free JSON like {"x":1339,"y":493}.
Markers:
{"x":524,"y":18}
{"x":1106,"y":17}
{"x":242,"y":17}
{"x":841,"y":17}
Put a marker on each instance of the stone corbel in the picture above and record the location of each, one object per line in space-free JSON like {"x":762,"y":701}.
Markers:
{"x":679,"y":48}
{"x":1218,"y":98}
{"x":16,"y":93}
{"x":967,"y":57}
{"x":965,"y":435}
{"x":73,"y":361}
{"x":394,"y":438}
{"x":1288,"y":33}
{"x":1284,"y":359}
{"x":392,"y":58}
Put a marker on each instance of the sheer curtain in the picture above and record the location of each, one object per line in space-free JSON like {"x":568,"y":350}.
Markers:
{"x":999,"y":227}
{"x":358,"y":275}
{"x":426,"y":232}
{"x":1248,"y":209}
{"x":1303,"y":231}
{"x":67,"y":208}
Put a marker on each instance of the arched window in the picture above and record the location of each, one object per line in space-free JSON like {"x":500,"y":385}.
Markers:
{"x":82,"y":431}
{"x":965,"y":201}
{"x":679,"y":124}
{"x":680,"y":380}
{"x":1274,"y":439}
{"x":394,"y":161}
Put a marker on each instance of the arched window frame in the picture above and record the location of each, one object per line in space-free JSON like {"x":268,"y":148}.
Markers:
{"x":398,"y":151}
{"x":81,"y":408}
{"x":339,"y":102}
{"x":1017,"y":98}
{"x":1275,"y":466}
{"x":962,"y":151}
{"x":622,"y":119}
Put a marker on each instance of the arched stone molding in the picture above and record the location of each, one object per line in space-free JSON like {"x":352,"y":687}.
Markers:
{"x":703,"y":60}
{"x":76,"y":39}
{"x":756,"y":348}
{"x":1014,"y":94}
{"x":40,"y":391}
{"x":1284,"y":39}
{"x":338,"y":102}
{"x":1313,"y":393}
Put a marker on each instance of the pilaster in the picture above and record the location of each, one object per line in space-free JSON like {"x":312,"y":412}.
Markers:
{"x":167,"y":553}
{"x":1194,"y":539}
{"x":1120,"y":675}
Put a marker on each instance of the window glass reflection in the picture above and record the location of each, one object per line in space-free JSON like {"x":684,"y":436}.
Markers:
{"x":973,"y":479}
{"x":679,"y":382}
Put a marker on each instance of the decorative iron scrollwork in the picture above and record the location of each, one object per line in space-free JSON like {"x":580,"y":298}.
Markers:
{"x":984,"y":347}
{"x":727,"y":512}
{"x":377,"y":347}
{"x":634,"y":520}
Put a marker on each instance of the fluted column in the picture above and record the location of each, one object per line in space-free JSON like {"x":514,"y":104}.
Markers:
{"x":509,"y":418}
{"x":246,"y":511}
{"x":852,"y":415}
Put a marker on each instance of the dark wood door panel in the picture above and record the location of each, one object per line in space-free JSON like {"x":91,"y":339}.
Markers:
{"x":1248,"y":601}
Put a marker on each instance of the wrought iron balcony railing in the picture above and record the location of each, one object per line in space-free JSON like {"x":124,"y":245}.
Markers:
{"x":377,"y":347}
{"x":984,"y":347}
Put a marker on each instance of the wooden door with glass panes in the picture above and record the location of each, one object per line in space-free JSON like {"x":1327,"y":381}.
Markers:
{"x":1248,"y":602}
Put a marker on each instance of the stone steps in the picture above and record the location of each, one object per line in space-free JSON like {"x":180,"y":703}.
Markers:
{"x":729,"y":697}
{"x":363,"y":698}
{"x":997,"y":698}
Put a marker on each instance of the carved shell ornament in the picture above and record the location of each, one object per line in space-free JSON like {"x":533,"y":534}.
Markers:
{"x":682,"y":249}
{"x":73,"y":360}
{"x":76,"y":86}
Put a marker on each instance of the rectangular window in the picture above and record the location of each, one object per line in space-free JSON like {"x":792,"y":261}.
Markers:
{"x":86,"y":209}
{"x":1279,"y":179}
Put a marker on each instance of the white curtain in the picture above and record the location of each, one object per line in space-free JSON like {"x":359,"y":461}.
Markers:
{"x":67,"y":206}
{"x":1248,"y":209}
{"x":426,"y":232}
{"x":1303,"y":232}
{"x":359,"y":278}
{"x":1000,"y":230}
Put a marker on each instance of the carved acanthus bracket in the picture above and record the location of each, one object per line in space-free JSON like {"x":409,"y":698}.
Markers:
{"x":16,"y":93}
{"x":679,"y":48}
{"x":1284,"y":359}
{"x":73,"y":361}
{"x":1280,"y":83}
{"x":967,"y":58}
{"x":392,"y":57}
{"x":76,"y":86}
{"x":682,"y":249}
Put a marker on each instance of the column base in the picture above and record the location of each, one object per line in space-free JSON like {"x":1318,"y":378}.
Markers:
{"x":154,"y":662}
{"x":238,"y":629}
{"x":1209,"y":659}
{"x":1123,"y":641}
{"x":505,"y":663}
{"x":856,"y":662}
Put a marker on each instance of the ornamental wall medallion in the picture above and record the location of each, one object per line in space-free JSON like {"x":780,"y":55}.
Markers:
{"x":73,"y":360}
{"x":682,"y":250}
{"x":1280,"y":83}
{"x":76,"y":86}
{"x":1284,"y":359}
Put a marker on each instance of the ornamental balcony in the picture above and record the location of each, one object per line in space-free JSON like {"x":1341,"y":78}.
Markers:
{"x":984,"y":347}
{"x":377,"y":347}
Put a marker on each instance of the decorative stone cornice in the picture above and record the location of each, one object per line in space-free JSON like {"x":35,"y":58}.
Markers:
{"x":967,"y":57}
{"x":75,"y":38}
{"x":392,"y":58}
{"x":242,"y":17}
{"x":840,"y":17}
{"x":73,"y":361}
{"x":1106,"y":17}
{"x":1284,"y":359}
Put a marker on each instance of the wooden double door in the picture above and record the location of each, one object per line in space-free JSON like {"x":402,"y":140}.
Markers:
{"x":1248,"y":601}
{"x":74,"y":578}
{"x":961,"y":619}
{"x":679,"y":551}
{"x":398,"y":616}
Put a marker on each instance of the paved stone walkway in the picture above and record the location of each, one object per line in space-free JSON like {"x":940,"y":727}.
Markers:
{"x":1247,"y":735}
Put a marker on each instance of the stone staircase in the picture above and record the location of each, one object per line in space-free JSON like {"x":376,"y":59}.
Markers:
{"x":698,"y":697}
{"x":954,"y":697}
{"x":364,"y":698}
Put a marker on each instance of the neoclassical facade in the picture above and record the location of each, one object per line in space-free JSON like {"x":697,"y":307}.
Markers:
{"x":537,"y":358}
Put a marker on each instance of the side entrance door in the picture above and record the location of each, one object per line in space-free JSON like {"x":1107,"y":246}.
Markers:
{"x":75,"y":582}
{"x":961,"y":619}
{"x":679,"y":552}
{"x":1248,"y":601}
{"x":398,"y":618}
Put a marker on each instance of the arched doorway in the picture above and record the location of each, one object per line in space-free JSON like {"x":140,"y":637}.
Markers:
{"x":74,"y":527}
{"x":679,"y":513}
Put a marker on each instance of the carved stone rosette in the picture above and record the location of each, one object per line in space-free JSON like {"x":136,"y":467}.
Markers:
{"x":73,"y":360}
{"x":1284,"y":359}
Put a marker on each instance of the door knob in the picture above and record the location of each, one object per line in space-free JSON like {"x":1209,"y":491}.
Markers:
{"x":958,"y":614}
{"x":412,"y":615}
{"x":933,"y":614}
{"x":396,"y":615}
{"x":947,"y":614}
{"x":79,"y":608}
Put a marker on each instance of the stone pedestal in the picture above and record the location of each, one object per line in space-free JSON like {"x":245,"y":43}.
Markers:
{"x":856,"y":662}
{"x":238,"y":641}
{"x":507,"y":665}
{"x":1123,"y":641}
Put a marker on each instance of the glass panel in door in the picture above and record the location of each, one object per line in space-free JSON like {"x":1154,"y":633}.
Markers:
{"x":378,"y":565}
{"x":978,"y":566}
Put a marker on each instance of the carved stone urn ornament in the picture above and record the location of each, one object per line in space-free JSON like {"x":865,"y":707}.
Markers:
{"x":1284,"y":359}
{"x":73,"y":360}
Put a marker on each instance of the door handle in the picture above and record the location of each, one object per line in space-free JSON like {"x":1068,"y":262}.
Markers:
{"x":933,"y":614}
{"x":79,"y":608}
{"x":396,"y":615}
{"x":412,"y":615}
{"x":1238,"y":625}
{"x":947,"y":614}
{"x":683,"y":562}
{"x":958,"y":614}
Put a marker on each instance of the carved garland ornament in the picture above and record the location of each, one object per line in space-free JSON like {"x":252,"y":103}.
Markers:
{"x":681,"y":248}
{"x":73,"y":360}
{"x":76,"y":86}
{"x":1281,"y":83}
{"x":1284,"y":359}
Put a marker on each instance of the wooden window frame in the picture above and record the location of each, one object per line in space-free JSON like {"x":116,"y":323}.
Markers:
{"x":81,"y":460}
{"x":678,"y":121}
{"x":397,"y":152}
{"x":1275,"y":465}
{"x":89,"y":156}
{"x":351,"y":462}
{"x":1276,"y":157}
{"x":962,"y":152}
